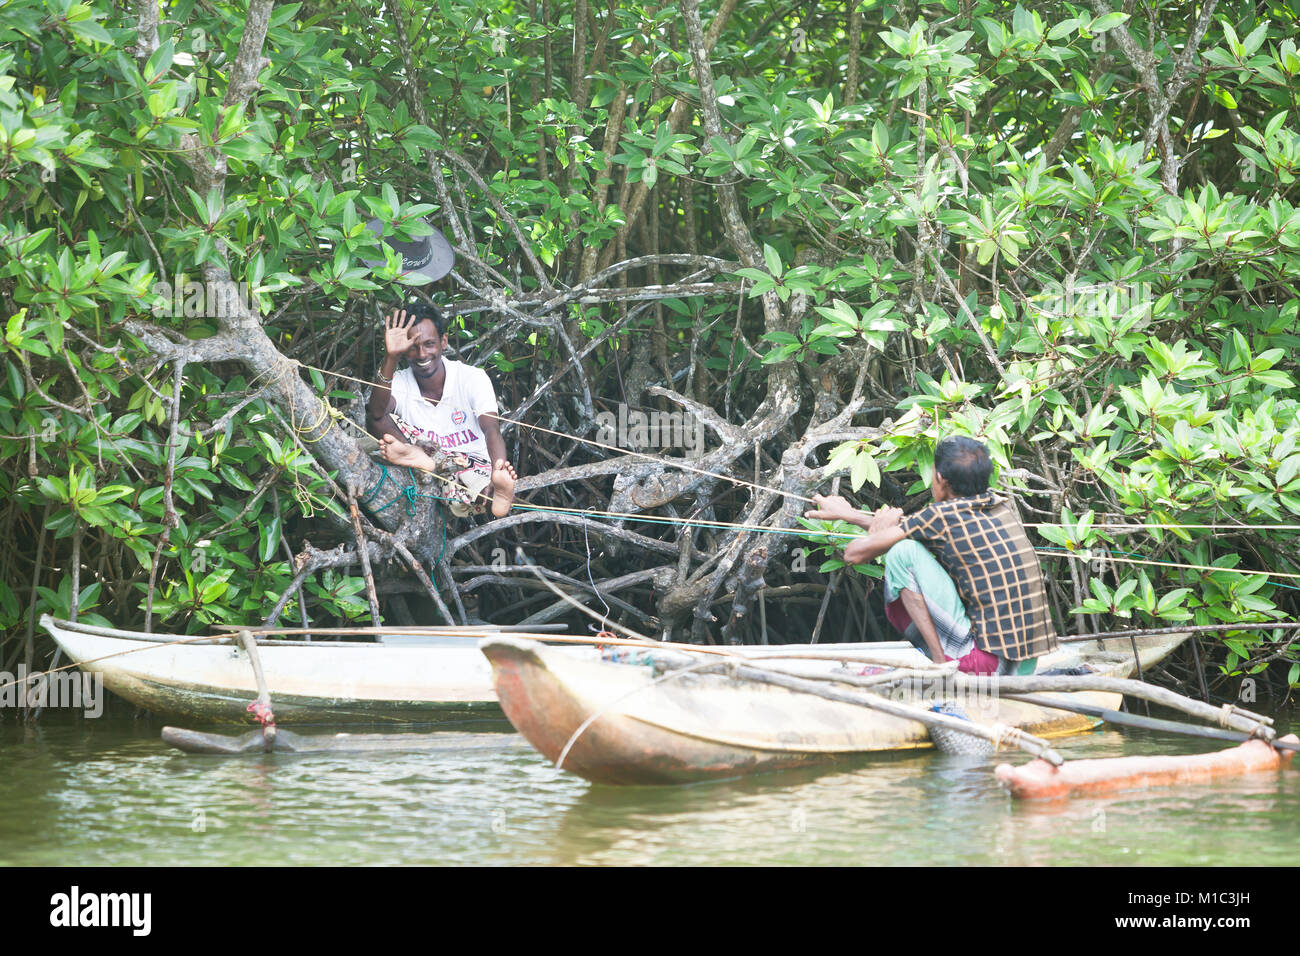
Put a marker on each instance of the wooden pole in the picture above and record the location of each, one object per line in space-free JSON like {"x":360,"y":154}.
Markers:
{"x":1229,"y":716}
{"x":1146,"y":723}
{"x":261,"y":708}
{"x":418,"y":570}
{"x":1181,"y":629}
{"x":1001,"y":734}
{"x":397,"y":630}
{"x":363,"y":552}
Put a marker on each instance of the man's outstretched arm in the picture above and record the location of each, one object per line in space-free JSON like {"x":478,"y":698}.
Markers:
{"x":873,"y":545}
{"x":882,"y":527}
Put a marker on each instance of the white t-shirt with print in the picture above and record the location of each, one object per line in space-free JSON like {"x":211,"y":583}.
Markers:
{"x":453,"y":422}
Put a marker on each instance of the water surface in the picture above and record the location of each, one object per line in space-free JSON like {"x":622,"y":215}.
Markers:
{"x":108,"y":791}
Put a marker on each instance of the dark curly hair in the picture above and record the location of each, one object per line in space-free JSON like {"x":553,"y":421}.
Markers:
{"x":965,"y":464}
{"x":423,"y":310}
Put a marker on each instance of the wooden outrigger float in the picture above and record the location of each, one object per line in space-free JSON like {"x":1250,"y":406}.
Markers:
{"x":655,"y":720}
{"x":1039,"y":780}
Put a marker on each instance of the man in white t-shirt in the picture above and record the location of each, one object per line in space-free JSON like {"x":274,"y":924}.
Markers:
{"x":442,"y":404}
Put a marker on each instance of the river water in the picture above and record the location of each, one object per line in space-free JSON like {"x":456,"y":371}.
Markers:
{"x":108,"y":791}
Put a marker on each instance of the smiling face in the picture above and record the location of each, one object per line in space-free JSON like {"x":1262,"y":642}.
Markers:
{"x":427,"y":346}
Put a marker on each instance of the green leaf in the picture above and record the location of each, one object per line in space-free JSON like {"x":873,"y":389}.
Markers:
{"x":864,"y":469}
{"x":773,"y":260}
{"x":1106,"y":22}
{"x":90,"y":30}
{"x":270,"y":539}
{"x":781,"y":338}
{"x":246,"y":148}
{"x":159,"y":63}
{"x":214,"y":585}
{"x":880,"y":137}
{"x":1063,"y":28}
{"x":1288,"y":470}
{"x":1171,"y":601}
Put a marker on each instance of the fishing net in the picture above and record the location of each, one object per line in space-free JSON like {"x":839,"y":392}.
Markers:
{"x":954,"y":741}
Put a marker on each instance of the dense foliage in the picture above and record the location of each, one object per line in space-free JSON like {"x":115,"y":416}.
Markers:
{"x":830,"y":234}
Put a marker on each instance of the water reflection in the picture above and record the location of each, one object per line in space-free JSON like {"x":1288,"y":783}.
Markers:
{"x":105,"y":792}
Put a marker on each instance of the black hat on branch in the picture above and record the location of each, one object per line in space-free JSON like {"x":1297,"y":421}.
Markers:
{"x":430,"y":257}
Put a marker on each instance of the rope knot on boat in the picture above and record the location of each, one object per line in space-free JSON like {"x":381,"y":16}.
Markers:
{"x":1225,"y":715}
{"x":262,"y":712}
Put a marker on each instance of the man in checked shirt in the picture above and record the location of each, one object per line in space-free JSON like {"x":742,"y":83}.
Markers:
{"x":962,"y":581}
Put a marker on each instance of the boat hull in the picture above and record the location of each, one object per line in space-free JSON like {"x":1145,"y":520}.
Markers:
{"x":620,"y":724}
{"x":309,"y":683}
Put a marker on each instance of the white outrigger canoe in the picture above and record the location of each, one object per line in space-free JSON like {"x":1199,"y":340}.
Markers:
{"x":396,"y":680}
{"x":309,"y":681}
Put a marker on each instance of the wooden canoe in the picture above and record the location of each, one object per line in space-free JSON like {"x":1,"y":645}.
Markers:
{"x":643,"y":729}
{"x":400,"y":679}
{"x":309,"y":681}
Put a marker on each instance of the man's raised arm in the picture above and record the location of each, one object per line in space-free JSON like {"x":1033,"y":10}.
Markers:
{"x":397,"y":341}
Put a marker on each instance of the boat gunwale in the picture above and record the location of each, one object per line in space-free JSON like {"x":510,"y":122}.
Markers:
{"x":753,"y":651}
{"x":53,"y":624}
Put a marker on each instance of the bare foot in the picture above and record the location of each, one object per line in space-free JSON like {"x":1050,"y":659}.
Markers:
{"x":400,"y":453}
{"x":503,"y":487}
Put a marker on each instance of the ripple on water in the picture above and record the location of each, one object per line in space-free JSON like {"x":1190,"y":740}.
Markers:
{"x":112,"y":793}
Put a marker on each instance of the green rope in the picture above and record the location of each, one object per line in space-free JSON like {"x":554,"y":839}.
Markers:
{"x":409,"y":493}
{"x":383,"y":477}
{"x":411,"y":496}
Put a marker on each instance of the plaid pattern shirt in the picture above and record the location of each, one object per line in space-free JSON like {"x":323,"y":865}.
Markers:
{"x":983,"y":547}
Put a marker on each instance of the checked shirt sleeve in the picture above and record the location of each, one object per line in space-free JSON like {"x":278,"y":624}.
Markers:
{"x":924,"y":525}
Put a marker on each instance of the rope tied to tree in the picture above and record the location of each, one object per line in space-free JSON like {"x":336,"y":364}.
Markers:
{"x":409,"y":494}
